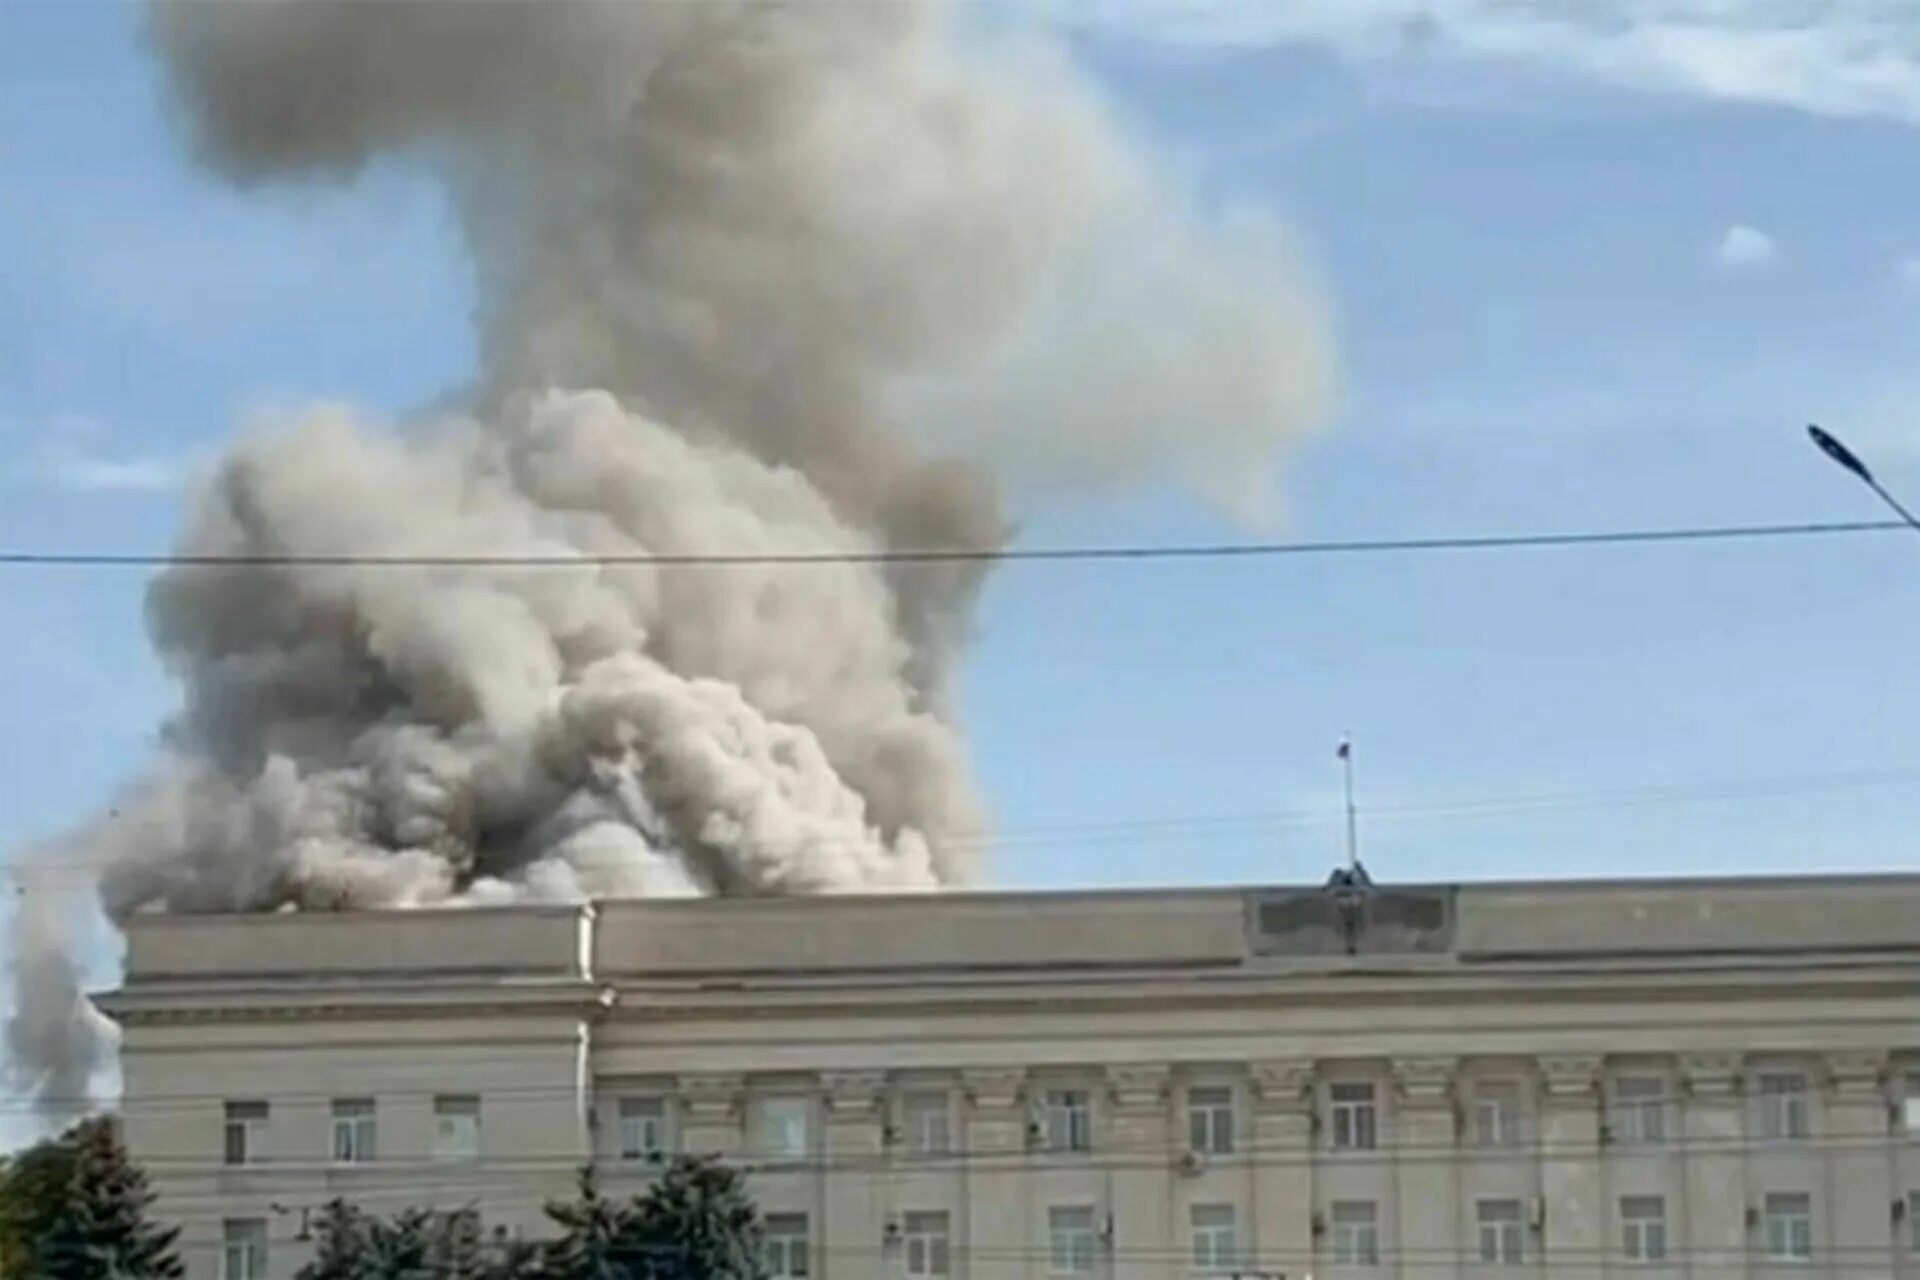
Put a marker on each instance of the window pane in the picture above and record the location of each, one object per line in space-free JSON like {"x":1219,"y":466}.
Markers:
{"x":927,"y":1123}
{"x":783,"y":1127}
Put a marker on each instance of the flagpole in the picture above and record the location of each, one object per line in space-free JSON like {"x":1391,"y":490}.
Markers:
{"x":1353,"y":825}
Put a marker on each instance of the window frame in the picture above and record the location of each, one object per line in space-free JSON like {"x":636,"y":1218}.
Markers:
{"x":463,"y":1110}
{"x":254,"y":1250}
{"x":631,"y":1119}
{"x":926,"y":1122}
{"x":357,"y":1121}
{"x":1212,"y":1117}
{"x":243,"y":1120}
{"x":1065,"y":1238}
{"x":1066,"y":1120}
{"x":788,"y":1236}
{"x":1497,"y":1229}
{"x":1643,"y":1236}
{"x":1775,"y":1212}
{"x":1503,"y":1099}
{"x":1356,"y":1234}
{"x":1353,"y":1123}
{"x":1785,"y":1115}
{"x":1635,"y":1119}
{"x":1212,"y":1258}
{"x":797,"y":1108}
{"x":932,"y":1237}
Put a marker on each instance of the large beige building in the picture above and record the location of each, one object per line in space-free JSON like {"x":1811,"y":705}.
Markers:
{"x":1710,"y":1079}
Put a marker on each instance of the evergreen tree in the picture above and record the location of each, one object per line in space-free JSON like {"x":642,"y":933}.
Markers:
{"x":696,"y":1223}
{"x":100,"y":1230}
{"x":33,"y":1186}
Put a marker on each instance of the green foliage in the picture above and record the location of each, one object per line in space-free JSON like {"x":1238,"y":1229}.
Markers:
{"x":32,"y":1186}
{"x":696,"y":1223}
{"x":97,"y":1228}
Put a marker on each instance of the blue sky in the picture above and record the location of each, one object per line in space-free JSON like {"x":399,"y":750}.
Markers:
{"x":1583,"y":281}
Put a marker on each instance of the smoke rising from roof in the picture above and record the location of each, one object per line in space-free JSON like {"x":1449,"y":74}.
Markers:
{"x":752,"y":278}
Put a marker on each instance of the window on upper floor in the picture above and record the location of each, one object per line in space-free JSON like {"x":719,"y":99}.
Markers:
{"x":643,"y":1127}
{"x":456,"y":1127}
{"x":1216,"y":1237}
{"x":1910,"y":1106}
{"x":1789,"y":1226}
{"x":927,"y":1117}
{"x":246,"y":1127}
{"x":789,"y":1254}
{"x":1068,"y":1120}
{"x":243,"y":1253}
{"x":927,"y":1247}
{"x":353,"y":1130}
{"x":1070,"y":1240}
{"x":1503,"y":1236}
{"x":1353,"y":1122}
{"x":1210,"y":1119}
{"x":1356,"y":1233}
{"x":782,"y":1128}
{"x":1496,"y":1113}
{"x":1643,"y":1228}
{"x":1637,"y":1110}
{"x":1783,"y":1098}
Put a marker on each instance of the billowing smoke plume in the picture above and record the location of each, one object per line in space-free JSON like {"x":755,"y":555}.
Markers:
{"x":754,"y":279}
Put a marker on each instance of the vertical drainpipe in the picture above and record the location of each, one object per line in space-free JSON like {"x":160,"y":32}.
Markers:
{"x":583,"y":1046}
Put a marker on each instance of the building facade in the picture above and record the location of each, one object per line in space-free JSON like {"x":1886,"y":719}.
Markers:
{"x":1712,"y":1079}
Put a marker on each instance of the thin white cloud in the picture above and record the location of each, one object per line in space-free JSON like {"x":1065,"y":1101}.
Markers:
{"x":1908,"y":269}
{"x":74,"y":456}
{"x":1834,"y":57}
{"x":1745,"y":248}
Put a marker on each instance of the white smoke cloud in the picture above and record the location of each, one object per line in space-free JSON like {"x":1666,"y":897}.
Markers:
{"x":756,"y":280}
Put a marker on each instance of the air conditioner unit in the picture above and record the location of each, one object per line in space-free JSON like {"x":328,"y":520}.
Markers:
{"x":892,"y":1230}
{"x":1537,"y":1213}
{"x":890,"y":1134}
{"x":1106,"y":1230}
{"x":1036,"y":1132}
{"x":655,"y":1156}
{"x":1191,"y":1163}
{"x":1318,"y":1224}
{"x":1899,"y":1211}
{"x":1753,"y":1216}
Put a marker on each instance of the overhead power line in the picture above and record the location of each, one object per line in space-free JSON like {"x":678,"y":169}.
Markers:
{"x":949,"y":555}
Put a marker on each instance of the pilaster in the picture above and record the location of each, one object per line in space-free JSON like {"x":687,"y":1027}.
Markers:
{"x":1427,"y":1172}
{"x":1568,"y":1228}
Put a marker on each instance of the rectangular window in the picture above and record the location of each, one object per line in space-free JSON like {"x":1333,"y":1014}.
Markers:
{"x":643,"y":1127}
{"x":781,"y":1131}
{"x":928,"y":1119}
{"x":243,"y":1249}
{"x":353,"y":1131}
{"x":456,"y":1127}
{"x":789,"y":1257}
{"x":1496,"y":1113}
{"x":1643,"y":1228}
{"x":1353,"y":1122}
{"x":246,"y":1126}
{"x":1356,"y":1233}
{"x":1783,"y":1105}
{"x":1216,"y":1243}
{"x":1070,"y":1240}
{"x":1069,"y":1120}
{"x":1503,"y":1236}
{"x":1789,"y":1218}
{"x":1210,"y":1119}
{"x":1637,"y":1111}
{"x":927,"y":1246}
{"x":1910,"y":1108}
